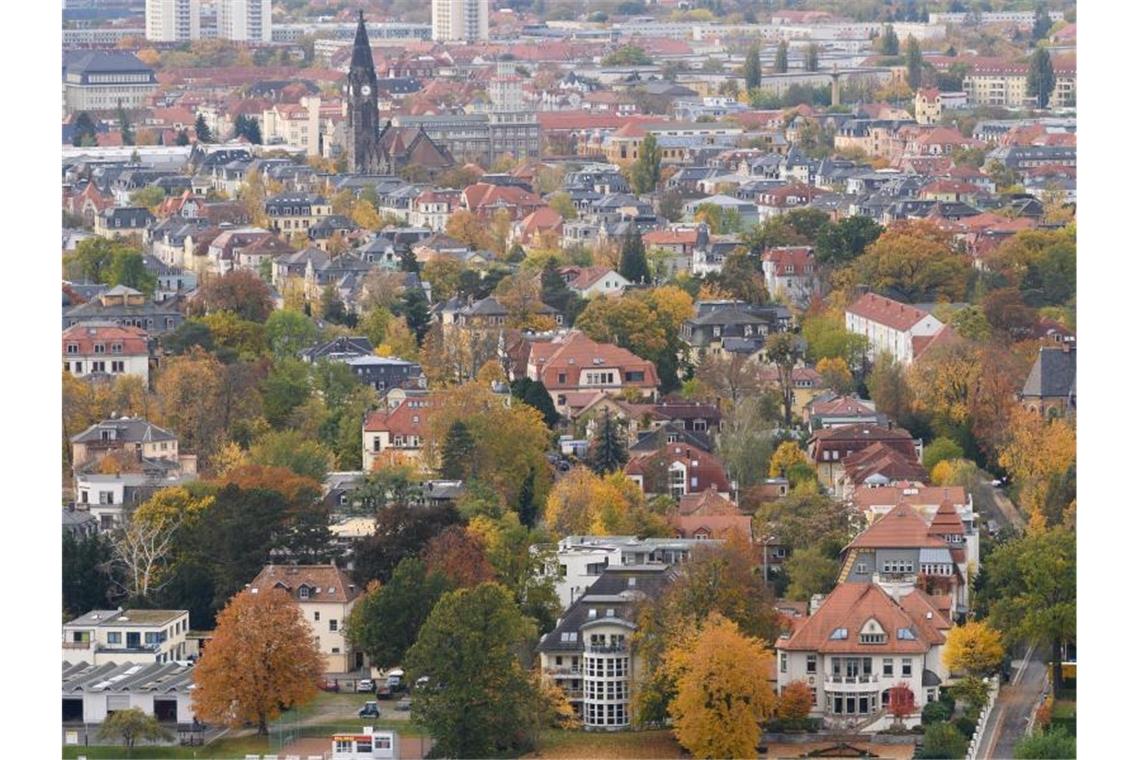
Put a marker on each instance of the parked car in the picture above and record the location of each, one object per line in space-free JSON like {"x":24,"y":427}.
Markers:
{"x":328,"y":684}
{"x":365,"y":685}
{"x":395,"y":680}
{"x":370,"y":710}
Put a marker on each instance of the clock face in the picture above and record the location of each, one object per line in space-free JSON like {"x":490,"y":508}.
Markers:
{"x":366,"y":90}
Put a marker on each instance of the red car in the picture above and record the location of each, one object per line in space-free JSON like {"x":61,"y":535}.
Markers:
{"x":327,"y":684}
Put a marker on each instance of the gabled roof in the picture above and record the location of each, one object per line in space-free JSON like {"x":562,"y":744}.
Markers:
{"x":326,"y":583}
{"x":127,"y":430}
{"x":1054,"y":374}
{"x":901,"y":528}
{"x":835,"y":626}
{"x":886,"y":311}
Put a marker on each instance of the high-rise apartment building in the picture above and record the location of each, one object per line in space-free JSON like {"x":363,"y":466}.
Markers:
{"x":460,"y":20}
{"x":245,"y":20}
{"x":172,"y":20}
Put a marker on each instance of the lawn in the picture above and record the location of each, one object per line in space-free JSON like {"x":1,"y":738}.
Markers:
{"x":222,"y":749}
{"x":620,"y":744}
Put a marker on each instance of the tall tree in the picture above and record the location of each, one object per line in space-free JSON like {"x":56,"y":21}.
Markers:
{"x":534,"y":393}
{"x":86,"y":580}
{"x":752,"y":71}
{"x":811,"y":62}
{"x":478,"y":696}
{"x":889,"y":45}
{"x":1041,"y":22}
{"x":456,"y":455}
{"x":973,"y":648}
{"x":402,"y":530}
{"x":240,"y":291}
{"x":607,"y":452}
{"x":781,"y":64}
{"x":202,"y":130}
{"x":125,"y":129}
{"x":646,"y":170}
{"x":783,"y":351}
{"x":414,"y":308}
{"x":722,"y":690}
{"x":1031,"y":587}
{"x":633,"y":265}
{"x":913,"y":63}
{"x":83,"y":131}
{"x":1039,"y":84}
{"x":247,"y":127}
{"x":261,"y":659}
{"x":844,"y":241}
{"x":386,"y":620}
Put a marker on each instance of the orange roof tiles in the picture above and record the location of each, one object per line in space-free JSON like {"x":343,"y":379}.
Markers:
{"x":848,"y":608}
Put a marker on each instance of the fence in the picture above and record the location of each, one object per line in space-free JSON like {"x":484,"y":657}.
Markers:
{"x":983,"y":720}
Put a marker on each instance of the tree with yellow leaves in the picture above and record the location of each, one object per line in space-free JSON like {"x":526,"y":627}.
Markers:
{"x":263,"y":657}
{"x":588,"y":504}
{"x":1036,"y":452}
{"x":786,"y":456}
{"x":468,"y":228}
{"x":722,"y":690}
{"x":365,"y":215}
{"x":836,"y":374}
{"x":974,"y":648}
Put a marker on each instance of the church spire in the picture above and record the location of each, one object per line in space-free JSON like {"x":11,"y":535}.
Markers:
{"x":361,"y":49}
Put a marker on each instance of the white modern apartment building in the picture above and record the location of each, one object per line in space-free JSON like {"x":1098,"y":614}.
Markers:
{"x":173,"y":20}
{"x":460,"y":20}
{"x":126,"y":636}
{"x":245,"y":20}
{"x":579,"y":561}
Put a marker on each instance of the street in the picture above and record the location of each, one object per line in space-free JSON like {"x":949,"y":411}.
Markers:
{"x":1015,"y":703}
{"x":993,"y":504}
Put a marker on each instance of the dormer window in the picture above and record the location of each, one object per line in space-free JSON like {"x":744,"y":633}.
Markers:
{"x":116,"y":348}
{"x":303,"y":592}
{"x":100,"y":348}
{"x":72,"y":348}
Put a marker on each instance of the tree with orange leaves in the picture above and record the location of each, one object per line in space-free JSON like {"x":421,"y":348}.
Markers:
{"x":458,"y":555}
{"x":263,"y":657}
{"x":795,"y":702}
{"x":722,"y":689}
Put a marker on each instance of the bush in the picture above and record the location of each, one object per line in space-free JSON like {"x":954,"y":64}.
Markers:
{"x":943,"y":740}
{"x":937,"y":712}
{"x":966,"y":725}
{"x":1052,"y":745}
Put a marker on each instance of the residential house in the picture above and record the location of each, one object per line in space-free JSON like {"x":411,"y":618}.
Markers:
{"x":676,"y":470}
{"x":112,"y":486}
{"x":325,"y":595}
{"x":78,"y":523}
{"x":432,"y":208}
{"x":384,"y":372}
{"x":831,"y":410}
{"x":399,"y":428}
{"x":125,"y":306}
{"x":877,"y":465}
{"x":588,"y":282}
{"x":126,"y":636}
{"x":1051,"y":387}
{"x":296,"y":212}
{"x":122,"y":221}
{"x":829,"y":447}
{"x":572,"y":362}
{"x":129,"y":434}
{"x":588,"y":653}
{"x":927,"y":105}
{"x":858,"y":645}
{"x":709,"y":514}
{"x":537,"y":228}
{"x":96,"y":349}
{"x":890,"y":326}
{"x":91,"y":693}
{"x":790,"y":274}
{"x":716,"y":322}
{"x":484,"y":200}
{"x":901,"y":551}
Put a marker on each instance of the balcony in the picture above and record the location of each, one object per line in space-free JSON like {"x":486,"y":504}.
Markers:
{"x":77,"y":644}
{"x":564,"y":671}
{"x":607,"y":648}
{"x":868,"y":683}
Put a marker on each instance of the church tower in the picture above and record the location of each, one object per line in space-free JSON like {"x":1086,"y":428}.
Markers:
{"x":363,"y":118}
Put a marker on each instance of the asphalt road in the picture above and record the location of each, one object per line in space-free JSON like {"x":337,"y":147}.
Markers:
{"x":993,"y":504}
{"x":1015,"y":703}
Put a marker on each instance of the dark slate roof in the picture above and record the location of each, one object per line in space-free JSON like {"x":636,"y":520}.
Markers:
{"x":98,"y":61}
{"x":353,"y":346}
{"x":127,"y":430}
{"x":1054,"y":374}
{"x":611,"y":591}
{"x":653,"y":440}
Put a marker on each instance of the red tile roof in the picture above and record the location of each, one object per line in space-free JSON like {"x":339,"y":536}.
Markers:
{"x":575,"y":352}
{"x":670,"y":237}
{"x":800,"y":258}
{"x":886,"y":311}
{"x":901,"y":528}
{"x":711,"y":526}
{"x":708,"y":470}
{"x":326,"y":583}
{"x":85,"y":336}
{"x":848,"y":608}
{"x":411,"y":417}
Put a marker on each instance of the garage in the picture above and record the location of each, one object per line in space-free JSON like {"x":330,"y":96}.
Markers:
{"x":166,"y":710}
{"x":72,"y":710}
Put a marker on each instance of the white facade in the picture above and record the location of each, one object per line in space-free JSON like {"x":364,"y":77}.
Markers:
{"x":173,"y":20}
{"x":858,"y":682}
{"x":374,"y":745}
{"x":126,"y":636}
{"x":460,"y":20}
{"x":897,"y":343}
{"x":245,"y":20}
{"x":299,"y":127}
